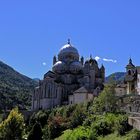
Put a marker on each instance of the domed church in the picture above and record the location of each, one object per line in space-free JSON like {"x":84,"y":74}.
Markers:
{"x":70,"y":81}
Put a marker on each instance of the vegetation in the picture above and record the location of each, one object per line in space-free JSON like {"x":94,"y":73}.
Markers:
{"x":117,"y":76}
{"x":106,"y":102}
{"x":15,"y":88}
{"x":13,"y":127}
{"x":36,"y":132}
{"x":99,"y":119}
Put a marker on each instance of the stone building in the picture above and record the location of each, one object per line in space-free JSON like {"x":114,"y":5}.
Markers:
{"x":132,"y":78}
{"x":131,"y":83}
{"x":71,"y":80}
{"x":120,"y":89}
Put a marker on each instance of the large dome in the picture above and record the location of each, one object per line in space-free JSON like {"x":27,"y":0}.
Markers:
{"x":68,"y":48}
{"x":68,"y":53}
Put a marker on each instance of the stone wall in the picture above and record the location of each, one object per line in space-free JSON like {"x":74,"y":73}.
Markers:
{"x":135,"y":122}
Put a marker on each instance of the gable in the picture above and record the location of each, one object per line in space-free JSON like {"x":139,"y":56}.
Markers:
{"x":81,"y":90}
{"x":49,"y":74}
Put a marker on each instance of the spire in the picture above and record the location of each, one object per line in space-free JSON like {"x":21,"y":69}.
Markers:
{"x":130,"y":65}
{"x":68,"y":40}
{"x":130,"y":61}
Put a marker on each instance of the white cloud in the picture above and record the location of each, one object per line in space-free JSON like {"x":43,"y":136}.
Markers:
{"x":97,"y":58}
{"x":109,"y":60}
{"x":44,"y":64}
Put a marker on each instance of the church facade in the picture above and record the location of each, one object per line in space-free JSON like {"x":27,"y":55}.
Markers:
{"x":71,"y":80}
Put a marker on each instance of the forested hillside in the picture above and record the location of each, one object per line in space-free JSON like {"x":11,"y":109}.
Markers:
{"x":117,"y":76}
{"x":15,"y":88}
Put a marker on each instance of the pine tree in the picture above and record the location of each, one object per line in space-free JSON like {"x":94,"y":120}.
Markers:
{"x":13,"y":127}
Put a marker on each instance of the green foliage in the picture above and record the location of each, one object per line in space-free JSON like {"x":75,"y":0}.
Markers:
{"x":106,"y":101}
{"x":41,"y":117}
{"x":36,"y":132}
{"x":46,"y":133}
{"x":13,"y":127}
{"x":67,"y":111}
{"x":116,"y":77}
{"x":80,"y":133}
{"x":15,"y":88}
{"x":78,"y":116}
{"x":101,"y":127}
{"x":132,"y":135}
{"x":109,"y":123}
{"x":56,"y":126}
{"x":86,"y":121}
{"x":122,"y":125}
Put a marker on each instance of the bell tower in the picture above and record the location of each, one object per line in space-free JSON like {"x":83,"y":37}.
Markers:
{"x":130,"y":77}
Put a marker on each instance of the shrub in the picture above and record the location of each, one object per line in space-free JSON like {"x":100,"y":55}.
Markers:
{"x":41,"y":117}
{"x":122,"y":125}
{"x":80,"y":133}
{"x":13,"y":127}
{"x":106,"y":101}
{"x":78,"y":117}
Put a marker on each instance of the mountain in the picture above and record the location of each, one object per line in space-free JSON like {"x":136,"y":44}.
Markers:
{"x":15,"y":88}
{"x":36,"y":79}
{"x":117,"y":76}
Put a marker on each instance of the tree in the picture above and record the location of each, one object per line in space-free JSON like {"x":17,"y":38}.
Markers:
{"x":78,"y":116}
{"x":36,"y":132}
{"x":13,"y":127}
{"x":106,"y":101}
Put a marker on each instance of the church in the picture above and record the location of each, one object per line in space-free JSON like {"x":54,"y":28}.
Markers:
{"x":71,"y":80}
{"x":131,"y":83}
{"x":132,"y":78}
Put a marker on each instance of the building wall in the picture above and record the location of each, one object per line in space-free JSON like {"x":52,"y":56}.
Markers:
{"x":138,"y":84}
{"x":119,"y":91}
{"x":78,"y":98}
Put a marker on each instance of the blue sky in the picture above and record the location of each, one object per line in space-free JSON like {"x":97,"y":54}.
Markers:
{"x":32,"y":31}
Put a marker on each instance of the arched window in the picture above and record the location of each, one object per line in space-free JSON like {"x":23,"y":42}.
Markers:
{"x":129,"y":72}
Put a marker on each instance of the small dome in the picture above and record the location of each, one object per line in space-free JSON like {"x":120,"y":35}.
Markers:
{"x":87,"y":62}
{"x":76,"y":67}
{"x":59,"y":67}
{"x":68,"y":52}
